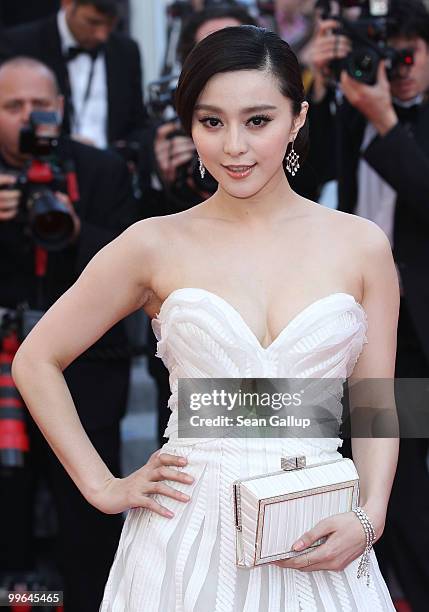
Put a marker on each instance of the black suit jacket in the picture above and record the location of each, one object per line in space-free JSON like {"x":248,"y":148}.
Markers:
{"x":106,"y":208}
{"x":401,"y":158}
{"x":126,"y":112}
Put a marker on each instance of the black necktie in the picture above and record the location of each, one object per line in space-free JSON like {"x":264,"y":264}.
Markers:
{"x":73,"y":52}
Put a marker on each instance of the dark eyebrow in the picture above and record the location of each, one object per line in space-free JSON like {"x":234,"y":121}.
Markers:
{"x":249,"y":109}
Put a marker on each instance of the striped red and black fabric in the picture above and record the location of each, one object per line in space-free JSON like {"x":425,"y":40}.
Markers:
{"x":14,"y":441}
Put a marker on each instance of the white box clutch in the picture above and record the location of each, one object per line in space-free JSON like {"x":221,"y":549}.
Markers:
{"x":273,"y":510}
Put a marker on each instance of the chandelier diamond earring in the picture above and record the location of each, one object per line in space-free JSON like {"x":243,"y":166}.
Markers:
{"x":292,"y":161}
{"x":201,"y":168}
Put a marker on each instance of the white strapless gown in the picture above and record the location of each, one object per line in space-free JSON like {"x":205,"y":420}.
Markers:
{"x":187,"y":563}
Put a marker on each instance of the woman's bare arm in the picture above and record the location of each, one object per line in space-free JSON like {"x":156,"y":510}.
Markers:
{"x":375,"y":458}
{"x":372,"y":381}
{"x":115,"y":283}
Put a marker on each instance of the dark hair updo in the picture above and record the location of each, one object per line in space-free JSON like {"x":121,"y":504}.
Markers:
{"x":244,"y":47}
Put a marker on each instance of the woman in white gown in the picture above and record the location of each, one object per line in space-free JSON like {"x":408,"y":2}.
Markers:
{"x":254,"y":282}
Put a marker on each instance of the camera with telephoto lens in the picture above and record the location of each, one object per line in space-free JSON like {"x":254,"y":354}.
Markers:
{"x":161,"y":107}
{"x":49,"y":219}
{"x":366,"y":24}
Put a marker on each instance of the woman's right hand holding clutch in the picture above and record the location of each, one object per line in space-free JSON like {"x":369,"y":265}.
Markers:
{"x":136,"y":490}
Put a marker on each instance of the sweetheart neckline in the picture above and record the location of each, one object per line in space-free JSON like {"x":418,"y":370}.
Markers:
{"x":243,"y":322}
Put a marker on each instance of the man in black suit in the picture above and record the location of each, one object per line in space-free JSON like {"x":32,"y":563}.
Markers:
{"x":98,"y":70}
{"x":98,"y":380}
{"x":381,"y":161}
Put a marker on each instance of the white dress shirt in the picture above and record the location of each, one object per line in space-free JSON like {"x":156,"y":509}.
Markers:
{"x":89,"y":118}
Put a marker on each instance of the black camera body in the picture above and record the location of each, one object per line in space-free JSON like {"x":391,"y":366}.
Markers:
{"x":368,"y":32}
{"x":49,"y":219}
{"x":161,"y":107}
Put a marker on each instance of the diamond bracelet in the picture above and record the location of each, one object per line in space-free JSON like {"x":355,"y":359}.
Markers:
{"x":368,"y":527}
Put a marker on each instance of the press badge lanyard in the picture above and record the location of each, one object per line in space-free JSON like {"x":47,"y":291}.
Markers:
{"x":76,"y":116}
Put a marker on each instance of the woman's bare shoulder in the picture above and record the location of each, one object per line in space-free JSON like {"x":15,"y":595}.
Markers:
{"x":156,"y":240}
{"x":147,"y":233}
{"x":360,"y":233}
{"x":157,"y":226}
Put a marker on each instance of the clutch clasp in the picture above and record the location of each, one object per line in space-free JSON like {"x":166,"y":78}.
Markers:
{"x":293,"y":463}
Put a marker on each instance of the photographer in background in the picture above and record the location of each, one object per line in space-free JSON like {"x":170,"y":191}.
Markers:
{"x":97,"y":197}
{"x":377,"y":146}
{"x":98,"y":70}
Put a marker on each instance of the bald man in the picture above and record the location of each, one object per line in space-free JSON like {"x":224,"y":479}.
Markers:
{"x":87,"y":539}
{"x":98,"y":69}
{"x":26,"y":85}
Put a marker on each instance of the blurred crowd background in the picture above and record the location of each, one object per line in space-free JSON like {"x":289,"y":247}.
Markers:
{"x":90,"y":143}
